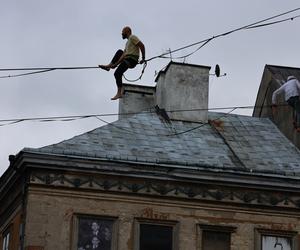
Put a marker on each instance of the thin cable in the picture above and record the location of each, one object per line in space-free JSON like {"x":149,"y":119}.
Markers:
{"x":197,"y":127}
{"x":111,"y":124}
{"x":187,"y":55}
{"x":47,"y":119}
{"x":252,"y":27}
{"x":224,"y":34}
{"x":248,"y":26}
{"x":63,"y":119}
{"x":10,"y":123}
{"x":224,"y":108}
{"x":51,"y":68}
{"x":41,"y":70}
{"x":77,"y":117}
{"x":272,"y":23}
{"x":25,"y":74}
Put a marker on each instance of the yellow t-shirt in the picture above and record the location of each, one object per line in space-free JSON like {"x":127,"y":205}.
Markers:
{"x":131,"y":48}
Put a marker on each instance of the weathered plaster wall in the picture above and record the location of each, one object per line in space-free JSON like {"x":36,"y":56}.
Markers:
{"x":50,"y":215}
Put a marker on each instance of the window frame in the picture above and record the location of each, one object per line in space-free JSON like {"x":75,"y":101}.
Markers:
{"x":75,"y":229}
{"x":259,"y":232}
{"x":173,"y":224}
{"x":213,"y":228}
{"x":6,"y":232}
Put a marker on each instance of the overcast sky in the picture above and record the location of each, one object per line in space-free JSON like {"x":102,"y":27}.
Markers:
{"x":58,"y":33}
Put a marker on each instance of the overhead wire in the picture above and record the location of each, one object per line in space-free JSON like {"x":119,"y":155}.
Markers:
{"x":206,"y":123}
{"x":272,"y":23}
{"x":25,"y":74}
{"x":169,"y":134}
{"x":118,"y":127}
{"x":257,"y":24}
{"x":113,"y":125}
{"x":189,"y":54}
{"x":11,"y":123}
{"x":77,"y":117}
{"x":229,"y":32}
{"x":39,"y":70}
{"x":210,"y":39}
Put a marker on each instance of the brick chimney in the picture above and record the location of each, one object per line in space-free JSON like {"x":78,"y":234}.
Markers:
{"x":179,"y":87}
{"x":137,"y":98}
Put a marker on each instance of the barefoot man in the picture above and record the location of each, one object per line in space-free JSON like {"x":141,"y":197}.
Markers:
{"x":126,"y":59}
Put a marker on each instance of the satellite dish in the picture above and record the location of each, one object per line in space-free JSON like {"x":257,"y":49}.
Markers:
{"x":217,"y":70}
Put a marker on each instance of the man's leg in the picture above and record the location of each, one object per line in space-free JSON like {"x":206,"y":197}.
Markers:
{"x":297,"y":111}
{"x":295,"y":103}
{"x":118,"y":76}
{"x":115,"y":58}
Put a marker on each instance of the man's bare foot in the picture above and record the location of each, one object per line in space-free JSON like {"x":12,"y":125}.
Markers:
{"x":105,"y":67}
{"x":117,"y":96}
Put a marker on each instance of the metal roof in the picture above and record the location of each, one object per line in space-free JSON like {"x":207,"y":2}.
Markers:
{"x":228,"y":142}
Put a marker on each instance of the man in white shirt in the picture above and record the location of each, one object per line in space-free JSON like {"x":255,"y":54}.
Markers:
{"x":291,"y":91}
{"x":126,"y":59}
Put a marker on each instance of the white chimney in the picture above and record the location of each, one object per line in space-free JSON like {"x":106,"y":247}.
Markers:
{"x":183,"y":87}
{"x":179,"y":87}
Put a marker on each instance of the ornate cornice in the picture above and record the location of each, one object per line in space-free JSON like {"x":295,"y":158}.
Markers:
{"x":192,"y":191}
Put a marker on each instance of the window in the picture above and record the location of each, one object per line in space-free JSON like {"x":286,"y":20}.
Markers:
{"x":275,"y":240}
{"x":95,"y":233}
{"x":155,"y":235}
{"x":6,"y":237}
{"x":216,"y":237}
{"x":215,"y":240}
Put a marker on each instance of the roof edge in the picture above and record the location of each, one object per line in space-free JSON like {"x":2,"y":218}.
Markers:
{"x":279,"y":66}
{"x":201,"y":168}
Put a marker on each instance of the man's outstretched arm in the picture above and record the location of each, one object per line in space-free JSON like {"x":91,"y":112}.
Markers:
{"x":143,"y":51}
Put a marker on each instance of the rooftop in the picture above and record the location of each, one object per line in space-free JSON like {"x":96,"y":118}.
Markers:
{"x":226,"y":143}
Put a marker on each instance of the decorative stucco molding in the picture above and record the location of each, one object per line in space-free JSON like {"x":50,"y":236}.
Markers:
{"x":191,"y":191}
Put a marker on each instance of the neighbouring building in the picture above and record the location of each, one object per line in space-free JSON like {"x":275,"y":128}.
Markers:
{"x":167,"y":175}
{"x":273,"y":77}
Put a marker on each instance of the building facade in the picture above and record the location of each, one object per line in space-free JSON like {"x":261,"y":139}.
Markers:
{"x":158,"y":179}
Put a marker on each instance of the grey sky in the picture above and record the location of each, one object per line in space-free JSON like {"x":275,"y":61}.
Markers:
{"x":37,"y":33}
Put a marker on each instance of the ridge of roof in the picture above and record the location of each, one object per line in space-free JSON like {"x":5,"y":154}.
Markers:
{"x":280,"y":66}
{"x":284,"y":71}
